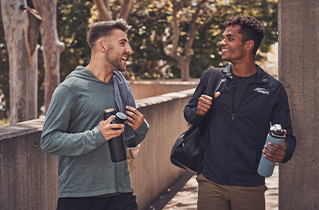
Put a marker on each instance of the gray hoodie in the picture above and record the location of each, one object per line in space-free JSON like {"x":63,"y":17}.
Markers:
{"x":72,"y":133}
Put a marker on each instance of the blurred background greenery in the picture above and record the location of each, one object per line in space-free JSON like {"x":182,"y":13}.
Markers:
{"x":151,"y":22}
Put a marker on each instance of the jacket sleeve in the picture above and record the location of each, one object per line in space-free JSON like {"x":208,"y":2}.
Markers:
{"x":56,"y":139}
{"x":281,"y":115}
{"x":191,"y":108}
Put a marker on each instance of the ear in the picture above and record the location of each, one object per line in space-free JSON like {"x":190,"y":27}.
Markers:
{"x":249,"y":45}
{"x":101,"y":45}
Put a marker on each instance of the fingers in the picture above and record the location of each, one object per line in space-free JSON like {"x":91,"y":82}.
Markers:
{"x":109,"y":120}
{"x":134,"y":118}
{"x":110,"y":131}
{"x":275,"y":155}
{"x":204,"y":103}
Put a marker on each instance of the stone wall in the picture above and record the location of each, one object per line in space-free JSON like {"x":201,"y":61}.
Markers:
{"x":28,"y":176}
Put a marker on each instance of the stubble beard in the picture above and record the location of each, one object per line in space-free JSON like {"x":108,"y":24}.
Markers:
{"x":113,"y":59}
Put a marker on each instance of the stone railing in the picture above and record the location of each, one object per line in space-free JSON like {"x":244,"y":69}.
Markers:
{"x":28,"y":176}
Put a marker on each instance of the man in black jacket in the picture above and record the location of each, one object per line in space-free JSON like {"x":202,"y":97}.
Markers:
{"x":247,"y":102}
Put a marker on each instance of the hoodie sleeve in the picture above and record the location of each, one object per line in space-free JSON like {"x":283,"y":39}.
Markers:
{"x":55,"y":137}
{"x":140,"y":135}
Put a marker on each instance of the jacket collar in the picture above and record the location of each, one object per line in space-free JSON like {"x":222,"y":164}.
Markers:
{"x":261,"y":75}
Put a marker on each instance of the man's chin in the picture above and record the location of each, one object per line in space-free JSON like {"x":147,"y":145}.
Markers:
{"x":122,"y":69}
{"x":225,"y":59}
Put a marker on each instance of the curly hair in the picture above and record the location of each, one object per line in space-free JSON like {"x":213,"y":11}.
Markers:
{"x":104,"y":28}
{"x":251,"y":29}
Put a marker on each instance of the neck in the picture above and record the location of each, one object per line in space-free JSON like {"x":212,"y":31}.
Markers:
{"x":244,"y":69}
{"x":100,"y":70}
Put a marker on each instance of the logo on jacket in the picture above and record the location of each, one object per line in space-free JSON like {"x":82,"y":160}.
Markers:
{"x":262,"y":91}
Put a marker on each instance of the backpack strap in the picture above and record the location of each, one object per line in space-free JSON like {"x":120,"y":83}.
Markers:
{"x":215,"y":77}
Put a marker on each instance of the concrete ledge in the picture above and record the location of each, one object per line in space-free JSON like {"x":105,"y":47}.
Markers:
{"x":144,"y":89}
{"x":20,"y":129}
{"x":165,"y":82}
{"x":164,"y":98}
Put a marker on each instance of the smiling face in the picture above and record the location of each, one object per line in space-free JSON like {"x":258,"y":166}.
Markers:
{"x":233,"y":49}
{"x":117,"y":50}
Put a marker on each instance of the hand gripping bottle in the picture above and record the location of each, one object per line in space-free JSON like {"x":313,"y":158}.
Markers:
{"x":116,"y":144}
{"x":276,"y":135}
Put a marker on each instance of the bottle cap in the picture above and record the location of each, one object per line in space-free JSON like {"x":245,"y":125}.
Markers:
{"x":109,"y":110}
{"x":277,"y":131}
{"x":121,"y":115}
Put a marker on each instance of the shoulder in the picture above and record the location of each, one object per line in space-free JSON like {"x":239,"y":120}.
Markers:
{"x":205,"y":76}
{"x":65,"y":89}
{"x":275,"y":87}
{"x":272,"y":81}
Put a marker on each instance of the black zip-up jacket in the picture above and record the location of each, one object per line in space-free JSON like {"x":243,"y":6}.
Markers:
{"x":234,"y":142}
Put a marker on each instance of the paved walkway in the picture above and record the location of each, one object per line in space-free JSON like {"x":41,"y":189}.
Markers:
{"x":183,"y":194}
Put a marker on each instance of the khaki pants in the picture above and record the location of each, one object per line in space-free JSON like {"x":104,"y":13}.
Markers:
{"x":212,"y":196}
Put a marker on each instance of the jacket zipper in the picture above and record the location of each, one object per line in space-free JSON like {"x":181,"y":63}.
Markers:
{"x":230,"y":140}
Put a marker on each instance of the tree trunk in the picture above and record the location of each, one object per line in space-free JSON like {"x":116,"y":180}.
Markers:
{"x":52,"y":47}
{"x":126,"y":8}
{"x":185,"y":63}
{"x":103,"y":6}
{"x":21,"y":27}
{"x":104,"y":9}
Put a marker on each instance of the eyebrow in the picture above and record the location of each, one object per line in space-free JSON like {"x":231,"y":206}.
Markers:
{"x":123,"y":39}
{"x":227,"y":35}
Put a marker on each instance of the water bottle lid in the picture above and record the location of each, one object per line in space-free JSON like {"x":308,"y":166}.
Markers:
{"x":109,"y":110}
{"x":277,"y":131}
{"x":121,"y":115}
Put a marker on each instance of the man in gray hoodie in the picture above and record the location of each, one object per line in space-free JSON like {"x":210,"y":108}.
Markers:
{"x":76,"y":132}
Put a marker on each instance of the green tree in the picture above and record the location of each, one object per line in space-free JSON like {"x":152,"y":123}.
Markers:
{"x":206,"y":46}
{"x":73,"y":18}
{"x":152,"y":22}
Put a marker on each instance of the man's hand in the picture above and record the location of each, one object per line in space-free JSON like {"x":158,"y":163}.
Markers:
{"x":274,"y":155}
{"x":134,"y":118}
{"x":107,"y":129}
{"x":204,"y":103}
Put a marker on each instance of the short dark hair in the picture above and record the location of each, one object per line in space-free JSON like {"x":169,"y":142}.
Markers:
{"x":104,"y":28}
{"x":251,"y":29}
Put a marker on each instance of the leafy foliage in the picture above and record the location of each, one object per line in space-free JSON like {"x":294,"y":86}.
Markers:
{"x":150,"y":20}
{"x":73,"y":23}
{"x":148,"y":25}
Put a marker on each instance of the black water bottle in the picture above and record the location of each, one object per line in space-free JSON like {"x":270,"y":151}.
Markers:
{"x":116,"y":144}
{"x":108,"y":113}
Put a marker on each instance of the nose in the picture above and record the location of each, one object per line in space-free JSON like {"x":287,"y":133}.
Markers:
{"x":222,"y":43}
{"x":128,"y":49}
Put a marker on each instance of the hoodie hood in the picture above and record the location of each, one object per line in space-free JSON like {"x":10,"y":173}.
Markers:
{"x":83,"y":73}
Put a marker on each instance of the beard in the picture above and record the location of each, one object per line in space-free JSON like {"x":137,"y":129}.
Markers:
{"x":114,"y":58}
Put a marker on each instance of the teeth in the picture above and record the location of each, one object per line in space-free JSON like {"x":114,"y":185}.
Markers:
{"x":224,"y":50}
{"x":124,"y":58}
